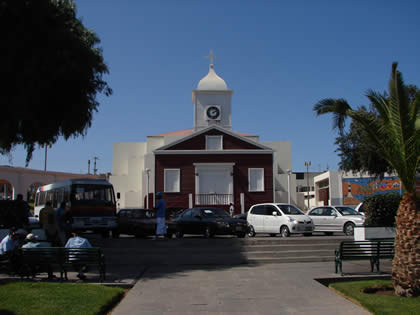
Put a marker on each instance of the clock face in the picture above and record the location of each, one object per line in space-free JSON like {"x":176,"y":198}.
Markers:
{"x":213,"y":112}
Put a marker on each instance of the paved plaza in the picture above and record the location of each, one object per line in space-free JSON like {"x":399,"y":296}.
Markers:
{"x":260,"y":289}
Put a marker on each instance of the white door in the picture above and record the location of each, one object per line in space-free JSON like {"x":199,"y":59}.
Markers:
{"x":272,"y":222}
{"x":214,"y":184}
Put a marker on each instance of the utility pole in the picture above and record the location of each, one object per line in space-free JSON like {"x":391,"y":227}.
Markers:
{"x":94,"y":165}
{"x":88,"y":167}
{"x":307,"y":164}
{"x":45,"y":161}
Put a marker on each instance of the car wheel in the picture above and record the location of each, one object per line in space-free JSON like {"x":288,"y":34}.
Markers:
{"x":349,"y":229}
{"x":207,"y":232}
{"x":329,"y":233}
{"x":241,"y":235}
{"x":284,"y":231}
{"x":168,"y":235}
{"x":273,"y":235}
{"x":251,"y":231}
{"x":179,"y":234}
{"x":115,"y":234}
{"x":105,"y":234}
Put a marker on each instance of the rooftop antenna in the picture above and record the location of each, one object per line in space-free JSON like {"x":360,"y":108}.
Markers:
{"x":94,"y":165}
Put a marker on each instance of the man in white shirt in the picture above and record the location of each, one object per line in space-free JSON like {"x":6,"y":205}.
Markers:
{"x":78,"y":242}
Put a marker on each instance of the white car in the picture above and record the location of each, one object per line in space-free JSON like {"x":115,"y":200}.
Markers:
{"x":330,"y":219}
{"x":278,"y":218}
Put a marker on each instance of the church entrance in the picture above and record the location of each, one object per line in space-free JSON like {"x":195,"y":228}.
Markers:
{"x":214,"y":184}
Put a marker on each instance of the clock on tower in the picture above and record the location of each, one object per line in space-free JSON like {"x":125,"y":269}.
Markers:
{"x":213,"y":112}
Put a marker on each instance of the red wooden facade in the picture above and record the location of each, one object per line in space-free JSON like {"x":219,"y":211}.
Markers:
{"x":247,"y":157}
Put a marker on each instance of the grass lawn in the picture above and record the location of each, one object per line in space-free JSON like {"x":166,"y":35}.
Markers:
{"x":377,"y":304}
{"x":57,"y":298}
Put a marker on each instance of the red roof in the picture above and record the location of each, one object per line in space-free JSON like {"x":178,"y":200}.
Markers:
{"x":187,"y":132}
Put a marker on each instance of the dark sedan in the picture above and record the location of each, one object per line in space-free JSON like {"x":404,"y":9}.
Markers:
{"x":140,"y":222}
{"x":209,"y":222}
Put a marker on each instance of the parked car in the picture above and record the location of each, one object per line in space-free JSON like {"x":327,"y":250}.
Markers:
{"x":209,"y":222}
{"x":359,"y":208}
{"x":140,"y":222}
{"x":330,"y":219}
{"x":278,"y":218}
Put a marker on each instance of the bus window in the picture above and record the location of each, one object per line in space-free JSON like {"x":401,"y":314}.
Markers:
{"x":42,"y":198}
{"x":93,"y":192}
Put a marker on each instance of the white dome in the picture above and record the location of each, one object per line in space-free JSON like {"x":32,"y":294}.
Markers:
{"x":212,"y":82}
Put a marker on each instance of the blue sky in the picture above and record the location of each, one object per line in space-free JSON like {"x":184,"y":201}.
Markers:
{"x":279,"y":57}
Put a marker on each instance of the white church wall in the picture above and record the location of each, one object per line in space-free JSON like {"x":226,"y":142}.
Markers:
{"x":132,"y":199}
{"x":135,"y":167}
{"x":282,"y":155}
{"x":123,"y":151}
{"x":154,"y":142}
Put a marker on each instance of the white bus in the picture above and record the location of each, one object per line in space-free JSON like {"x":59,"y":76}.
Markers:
{"x":91,"y":203}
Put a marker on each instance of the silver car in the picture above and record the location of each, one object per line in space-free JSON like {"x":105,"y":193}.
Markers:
{"x":330,"y":219}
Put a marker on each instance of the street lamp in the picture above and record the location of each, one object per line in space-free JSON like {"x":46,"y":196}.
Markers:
{"x":288,"y":185}
{"x":307,"y":164}
{"x":147,"y":170}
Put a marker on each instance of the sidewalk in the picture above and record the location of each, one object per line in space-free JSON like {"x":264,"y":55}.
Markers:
{"x":261,"y":289}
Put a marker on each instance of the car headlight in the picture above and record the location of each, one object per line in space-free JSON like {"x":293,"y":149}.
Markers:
{"x":293,"y":220}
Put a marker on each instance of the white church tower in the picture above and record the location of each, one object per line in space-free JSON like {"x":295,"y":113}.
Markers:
{"x":212,"y":101}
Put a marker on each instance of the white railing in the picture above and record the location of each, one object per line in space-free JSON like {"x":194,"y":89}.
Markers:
{"x":213,"y":199}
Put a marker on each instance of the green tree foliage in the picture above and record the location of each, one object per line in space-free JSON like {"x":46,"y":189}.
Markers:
{"x":51,"y":72}
{"x":380,"y":210}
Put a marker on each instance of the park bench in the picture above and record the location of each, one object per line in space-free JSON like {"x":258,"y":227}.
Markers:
{"x":44,"y":259}
{"x":76,"y":257}
{"x":41,"y":259}
{"x":372,"y":250}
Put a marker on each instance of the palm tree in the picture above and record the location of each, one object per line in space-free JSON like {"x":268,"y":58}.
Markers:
{"x":395,"y":131}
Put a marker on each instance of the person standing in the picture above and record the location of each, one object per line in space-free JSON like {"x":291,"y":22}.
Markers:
{"x":160,"y":216}
{"x":231,"y":209}
{"x":47,"y":218}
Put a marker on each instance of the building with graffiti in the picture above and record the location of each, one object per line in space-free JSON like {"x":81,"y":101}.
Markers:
{"x":338,"y":187}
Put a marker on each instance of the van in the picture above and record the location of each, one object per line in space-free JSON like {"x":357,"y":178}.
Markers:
{"x":278,"y":218}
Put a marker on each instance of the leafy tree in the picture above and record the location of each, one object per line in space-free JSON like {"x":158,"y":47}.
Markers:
{"x":357,"y":153}
{"x":51,"y":72}
{"x":395,"y":132}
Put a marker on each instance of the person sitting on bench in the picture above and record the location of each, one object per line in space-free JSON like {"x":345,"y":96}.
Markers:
{"x":78,"y":242}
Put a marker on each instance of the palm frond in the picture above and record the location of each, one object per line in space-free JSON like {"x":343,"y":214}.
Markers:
{"x":337,"y":107}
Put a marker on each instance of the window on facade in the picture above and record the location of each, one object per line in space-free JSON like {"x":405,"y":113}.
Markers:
{"x":172,"y":180}
{"x":300,"y":175}
{"x":214,"y":142}
{"x":256,"y":179}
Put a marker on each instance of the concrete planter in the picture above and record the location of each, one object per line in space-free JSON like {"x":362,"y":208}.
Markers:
{"x":362,"y":233}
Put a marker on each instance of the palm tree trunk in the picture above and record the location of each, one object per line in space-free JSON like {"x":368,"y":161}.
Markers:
{"x":406,"y":263}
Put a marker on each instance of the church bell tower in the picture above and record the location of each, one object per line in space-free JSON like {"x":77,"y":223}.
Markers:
{"x":212,"y":101}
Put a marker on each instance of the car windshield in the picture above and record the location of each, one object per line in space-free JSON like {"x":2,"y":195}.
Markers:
{"x":289,"y":209}
{"x":347,"y":211}
{"x":214,"y":213}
